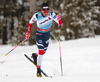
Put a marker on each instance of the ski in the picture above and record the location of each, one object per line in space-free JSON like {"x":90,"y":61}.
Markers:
{"x":36,"y":66}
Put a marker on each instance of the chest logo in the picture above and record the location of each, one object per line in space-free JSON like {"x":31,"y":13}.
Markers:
{"x":44,"y":21}
{"x":49,"y":18}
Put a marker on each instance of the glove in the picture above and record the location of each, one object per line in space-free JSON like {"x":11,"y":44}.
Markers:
{"x":59,"y":17}
{"x":59,"y":23}
{"x":59,"y":20}
{"x":59,"y":27}
{"x":27,"y":35}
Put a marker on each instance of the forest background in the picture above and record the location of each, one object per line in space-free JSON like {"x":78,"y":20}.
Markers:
{"x":81,"y":18}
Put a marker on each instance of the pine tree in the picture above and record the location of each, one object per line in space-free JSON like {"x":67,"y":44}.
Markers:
{"x":79,"y":17}
{"x":82,"y":15}
{"x":20,"y":24}
{"x":19,"y":32}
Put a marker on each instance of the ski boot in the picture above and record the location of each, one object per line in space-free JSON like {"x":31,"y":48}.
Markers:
{"x":39,"y":73}
{"x":34,"y":56}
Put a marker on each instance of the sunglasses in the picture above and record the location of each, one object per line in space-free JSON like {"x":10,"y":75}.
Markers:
{"x":45,"y":9}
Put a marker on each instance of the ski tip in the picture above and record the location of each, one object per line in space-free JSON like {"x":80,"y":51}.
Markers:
{"x":4,"y":54}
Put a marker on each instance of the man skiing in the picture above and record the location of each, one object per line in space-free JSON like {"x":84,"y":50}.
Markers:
{"x":44,"y":20}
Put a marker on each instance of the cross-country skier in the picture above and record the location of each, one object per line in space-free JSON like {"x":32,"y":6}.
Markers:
{"x":44,"y":20}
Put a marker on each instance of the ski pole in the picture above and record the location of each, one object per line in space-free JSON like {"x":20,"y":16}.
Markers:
{"x":14,"y":47}
{"x":60,"y":52}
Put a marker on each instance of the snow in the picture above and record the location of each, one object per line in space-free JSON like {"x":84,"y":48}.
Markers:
{"x":80,"y":58}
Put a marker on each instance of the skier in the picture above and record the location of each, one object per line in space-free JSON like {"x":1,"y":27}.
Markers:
{"x":44,"y":20}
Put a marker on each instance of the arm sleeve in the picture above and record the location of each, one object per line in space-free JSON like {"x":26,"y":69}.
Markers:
{"x":54,"y":16}
{"x":32,"y":20}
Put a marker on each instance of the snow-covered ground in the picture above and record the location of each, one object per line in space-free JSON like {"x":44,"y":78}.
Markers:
{"x":81,"y":62}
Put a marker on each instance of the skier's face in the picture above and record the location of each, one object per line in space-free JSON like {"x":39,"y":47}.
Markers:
{"x":45,"y":11}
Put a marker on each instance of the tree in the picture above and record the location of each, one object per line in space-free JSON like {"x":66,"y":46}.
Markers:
{"x":97,"y":31}
{"x":79,"y":17}
{"x":33,"y":9}
{"x":20,"y":21}
{"x":4,"y":37}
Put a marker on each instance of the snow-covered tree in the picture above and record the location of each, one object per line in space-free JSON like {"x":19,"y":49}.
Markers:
{"x":20,"y":22}
{"x":19,"y":31}
{"x":79,"y":17}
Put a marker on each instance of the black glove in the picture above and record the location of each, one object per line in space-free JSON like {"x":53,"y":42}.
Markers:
{"x":60,"y":26}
